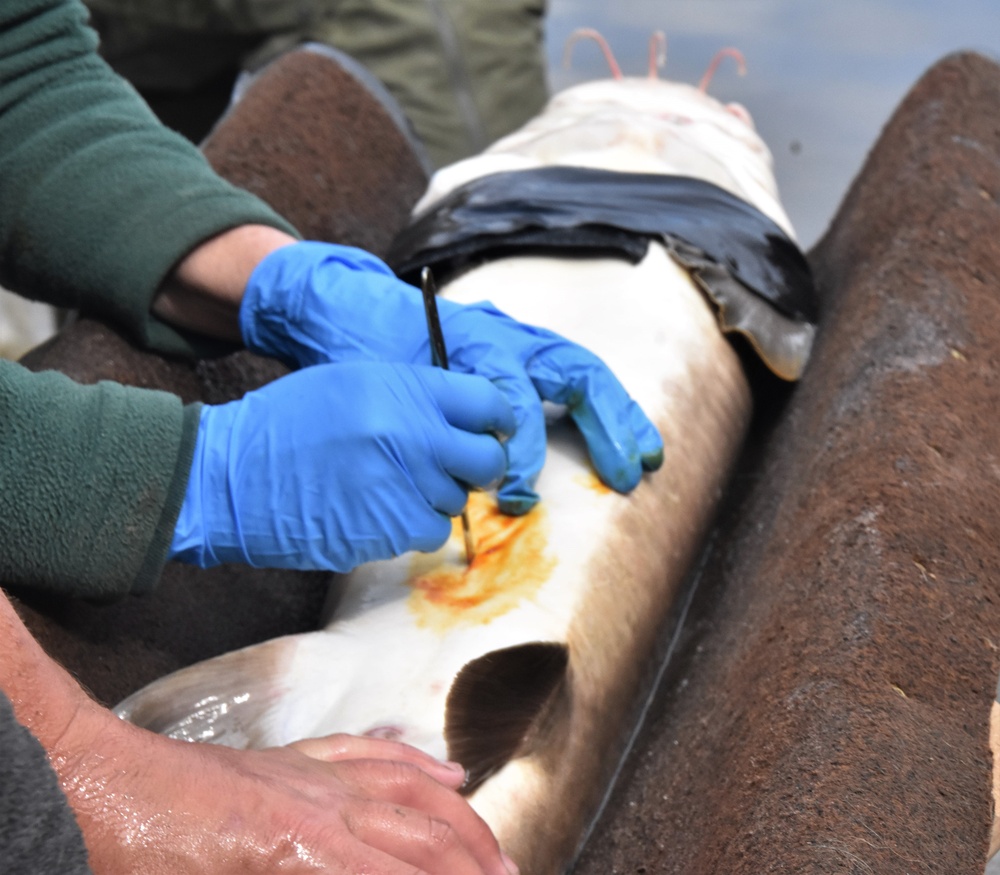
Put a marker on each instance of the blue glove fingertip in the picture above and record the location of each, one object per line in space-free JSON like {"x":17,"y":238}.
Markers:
{"x":516,"y":499}
{"x":647,"y":437}
{"x":623,"y":475}
{"x":652,"y":461}
{"x":525,"y":450}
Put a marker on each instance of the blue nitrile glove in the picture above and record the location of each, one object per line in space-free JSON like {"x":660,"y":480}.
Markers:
{"x":308,"y":303}
{"x":337,"y":465}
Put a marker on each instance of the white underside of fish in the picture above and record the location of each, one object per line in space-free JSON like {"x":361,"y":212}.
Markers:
{"x":23,"y":324}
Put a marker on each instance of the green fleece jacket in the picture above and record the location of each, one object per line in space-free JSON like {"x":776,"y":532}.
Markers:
{"x":97,"y":202}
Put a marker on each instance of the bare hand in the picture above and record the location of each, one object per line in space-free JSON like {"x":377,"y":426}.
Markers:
{"x":338,"y":804}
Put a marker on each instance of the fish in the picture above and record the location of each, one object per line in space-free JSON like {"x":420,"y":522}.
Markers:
{"x":24,"y":324}
{"x":528,"y":664}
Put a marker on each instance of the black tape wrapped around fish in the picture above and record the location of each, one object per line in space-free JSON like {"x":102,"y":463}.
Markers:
{"x":753,"y":271}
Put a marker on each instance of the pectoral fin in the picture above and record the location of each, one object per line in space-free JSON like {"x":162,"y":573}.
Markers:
{"x":495,"y":702}
{"x":223,"y":700}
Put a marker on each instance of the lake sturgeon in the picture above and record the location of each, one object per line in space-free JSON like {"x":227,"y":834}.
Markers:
{"x":640,"y":218}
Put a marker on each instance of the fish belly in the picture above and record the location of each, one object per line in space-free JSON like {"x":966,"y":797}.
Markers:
{"x":621,"y":561}
{"x":23,"y":324}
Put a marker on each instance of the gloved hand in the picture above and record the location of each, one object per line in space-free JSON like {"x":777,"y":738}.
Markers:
{"x":316,"y":302}
{"x":336,"y":465}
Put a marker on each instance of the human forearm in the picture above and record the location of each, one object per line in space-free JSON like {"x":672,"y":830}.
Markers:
{"x":204,"y":291}
{"x":149,"y":804}
{"x":98,"y":201}
{"x":46,"y":699}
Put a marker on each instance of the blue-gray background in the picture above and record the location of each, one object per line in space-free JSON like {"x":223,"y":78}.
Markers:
{"x":823,"y":76}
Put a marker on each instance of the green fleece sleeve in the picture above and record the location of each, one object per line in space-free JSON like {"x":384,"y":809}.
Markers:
{"x":98,"y":201}
{"x":91,"y":482}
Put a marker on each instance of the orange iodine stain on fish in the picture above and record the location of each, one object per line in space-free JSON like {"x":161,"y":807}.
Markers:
{"x":589,"y":480}
{"x":511,"y":564}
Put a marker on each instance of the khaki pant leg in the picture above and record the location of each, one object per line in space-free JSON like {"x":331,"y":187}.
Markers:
{"x":465,"y":71}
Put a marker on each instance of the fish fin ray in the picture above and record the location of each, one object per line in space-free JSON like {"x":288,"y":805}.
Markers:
{"x":496,"y":700}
